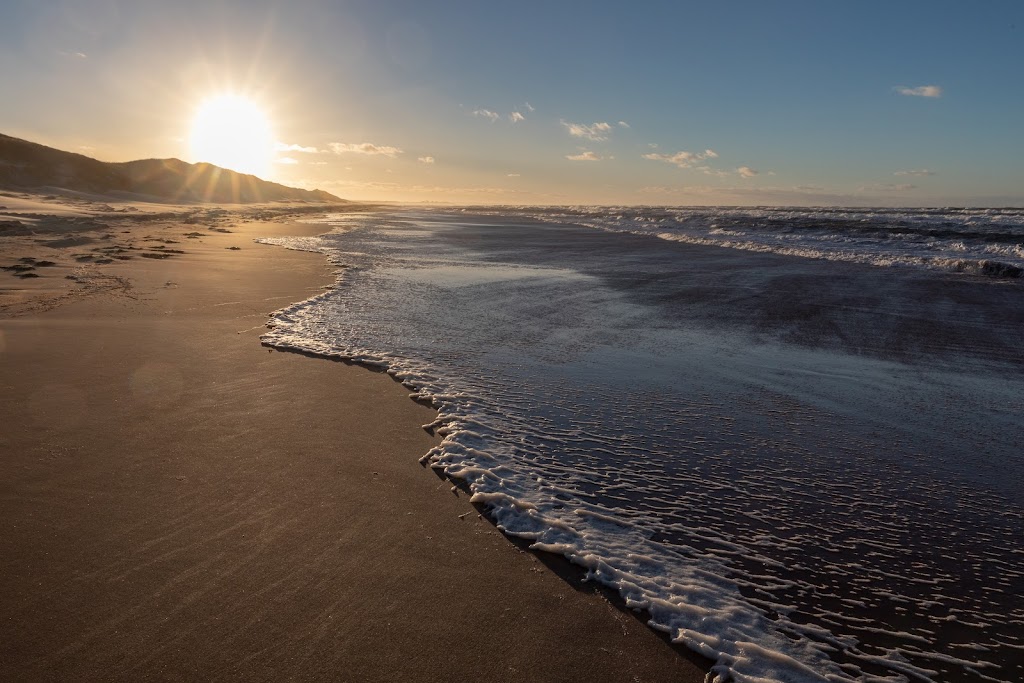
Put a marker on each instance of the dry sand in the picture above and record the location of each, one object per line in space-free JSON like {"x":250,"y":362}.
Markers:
{"x":178,"y":502}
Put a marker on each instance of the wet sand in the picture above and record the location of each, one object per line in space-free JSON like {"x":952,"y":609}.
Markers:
{"x":178,"y":502}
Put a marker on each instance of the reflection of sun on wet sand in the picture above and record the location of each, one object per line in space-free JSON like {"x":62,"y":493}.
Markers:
{"x":179,"y":502}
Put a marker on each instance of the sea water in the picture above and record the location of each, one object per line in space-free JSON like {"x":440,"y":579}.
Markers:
{"x":792,"y":437}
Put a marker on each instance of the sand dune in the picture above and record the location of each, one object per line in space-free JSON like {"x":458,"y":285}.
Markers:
{"x":27,"y":165}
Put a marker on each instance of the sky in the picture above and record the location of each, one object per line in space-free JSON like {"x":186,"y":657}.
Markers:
{"x":900,"y":103}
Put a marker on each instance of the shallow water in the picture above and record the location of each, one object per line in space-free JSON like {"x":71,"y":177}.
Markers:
{"x":806,"y":469}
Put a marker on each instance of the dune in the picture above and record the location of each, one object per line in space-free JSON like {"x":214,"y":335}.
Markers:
{"x":27,"y":165}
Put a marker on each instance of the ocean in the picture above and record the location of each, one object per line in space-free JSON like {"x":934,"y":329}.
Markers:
{"x":793,"y":437}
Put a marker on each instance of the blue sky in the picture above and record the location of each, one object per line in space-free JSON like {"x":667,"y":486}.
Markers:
{"x":893,"y":103}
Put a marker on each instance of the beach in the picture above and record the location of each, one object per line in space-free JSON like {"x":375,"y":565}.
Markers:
{"x":180,"y":502}
{"x":392,"y":341}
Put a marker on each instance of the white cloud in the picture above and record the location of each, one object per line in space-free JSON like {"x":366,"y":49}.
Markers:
{"x":73,"y":55}
{"x":487,"y":114}
{"x":529,"y":107}
{"x":746,"y":172}
{"x":916,"y":172}
{"x":393,"y":187}
{"x":512,"y":175}
{"x":624,"y":124}
{"x":285,"y":147}
{"x":516,"y":116}
{"x":288,"y":161}
{"x":583,"y":156}
{"x":682,"y":159}
{"x":364,"y":148}
{"x":747,"y":194}
{"x":425,"y":160}
{"x":888,"y":187}
{"x":919,"y":91}
{"x":598,"y":132}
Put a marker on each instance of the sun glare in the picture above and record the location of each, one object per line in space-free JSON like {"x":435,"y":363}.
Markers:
{"x":231,"y":131}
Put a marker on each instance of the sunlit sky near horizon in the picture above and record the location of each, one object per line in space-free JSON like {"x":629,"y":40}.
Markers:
{"x":819,"y":103}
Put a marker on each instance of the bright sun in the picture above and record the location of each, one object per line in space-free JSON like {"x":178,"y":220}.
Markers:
{"x":231,"y":131}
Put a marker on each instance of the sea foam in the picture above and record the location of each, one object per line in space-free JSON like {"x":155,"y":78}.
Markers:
{"x":792,"y":513}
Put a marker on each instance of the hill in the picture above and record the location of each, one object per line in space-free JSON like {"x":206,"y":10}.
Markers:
{"x":27,"y":165}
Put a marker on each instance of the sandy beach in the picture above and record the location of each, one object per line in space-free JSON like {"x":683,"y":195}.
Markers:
{"x":180,"y":503}
{"x":394,"y":341}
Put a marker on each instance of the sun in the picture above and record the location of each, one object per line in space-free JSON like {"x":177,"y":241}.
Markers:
{"x":232,"y":131}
